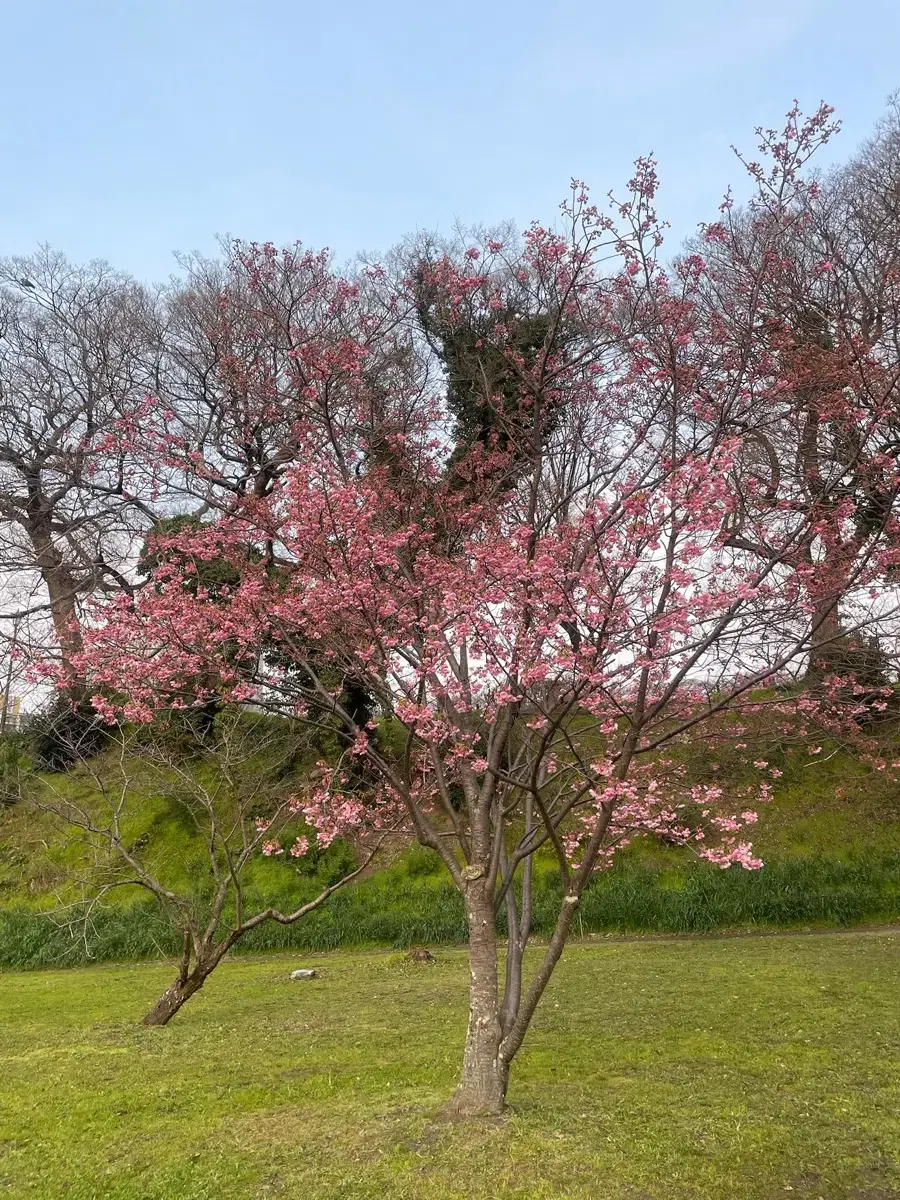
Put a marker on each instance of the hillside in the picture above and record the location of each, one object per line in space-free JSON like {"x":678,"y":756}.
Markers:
{"x":830,"y":841}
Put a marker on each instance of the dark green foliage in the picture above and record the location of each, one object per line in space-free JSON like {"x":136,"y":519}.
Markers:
{"x":864,"y":659}
{"x":214,"y":574}
{"x":359,"y":704}
{"x":487,"y":390}
{"x":186,"y":730}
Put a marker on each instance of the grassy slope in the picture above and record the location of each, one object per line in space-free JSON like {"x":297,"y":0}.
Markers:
{"x":756,"y":1069}
{"x":831,"y":842}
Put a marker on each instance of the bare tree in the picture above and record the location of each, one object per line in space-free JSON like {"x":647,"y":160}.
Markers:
{"x":804,"y":283}
{"x":253,"y":360}
{"x":236,"y":790}
{"x":76,"y":360}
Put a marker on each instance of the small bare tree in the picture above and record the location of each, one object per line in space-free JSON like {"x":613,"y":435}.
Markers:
{"x":236,"y":789}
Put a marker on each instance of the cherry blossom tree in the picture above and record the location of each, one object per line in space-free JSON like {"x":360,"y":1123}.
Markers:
{"x":551,"y":628}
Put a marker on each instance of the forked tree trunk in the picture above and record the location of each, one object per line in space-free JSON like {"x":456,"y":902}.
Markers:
{"x":208,"y":953}
{"x":495,"y":1035}
{"x":485,"y":1075}
{"x":178,"y":994}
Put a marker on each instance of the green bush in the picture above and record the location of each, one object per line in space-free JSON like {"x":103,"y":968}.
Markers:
{"x":421,"y":860}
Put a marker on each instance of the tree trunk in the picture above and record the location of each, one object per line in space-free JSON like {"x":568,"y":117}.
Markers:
{"x":482,"y":1087}
{"x":177,"y":995}
{"x":825,"y":652}
{"x":61,"y":593}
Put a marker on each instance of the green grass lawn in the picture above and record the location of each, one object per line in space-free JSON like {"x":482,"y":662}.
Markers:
{"x":749,"y":1069}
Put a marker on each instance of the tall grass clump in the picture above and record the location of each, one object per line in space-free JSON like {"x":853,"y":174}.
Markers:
{"x":412,"y":903}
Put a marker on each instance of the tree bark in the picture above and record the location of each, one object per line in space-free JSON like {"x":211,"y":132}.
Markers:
{"x":485,"y":1075}
{"x":824,"y":654}
{"x":61,"y":592}
{"x":177,"y":995}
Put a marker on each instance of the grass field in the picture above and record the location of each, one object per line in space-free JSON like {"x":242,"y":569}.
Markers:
{"x":747,"y":1069}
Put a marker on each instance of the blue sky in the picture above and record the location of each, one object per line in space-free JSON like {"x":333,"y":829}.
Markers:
{"x":134,"y":128}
